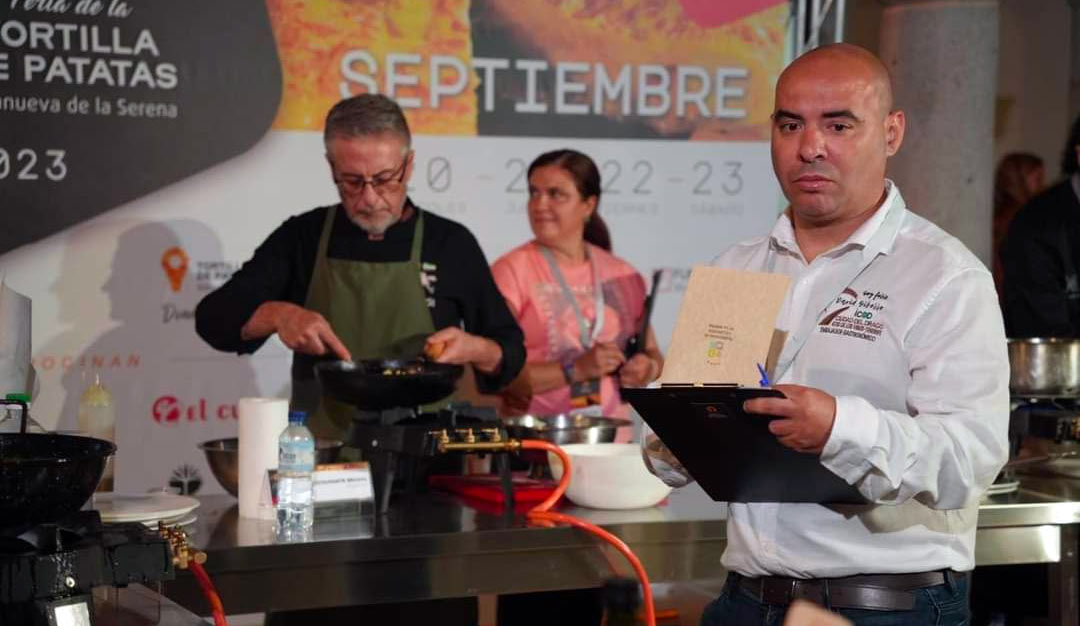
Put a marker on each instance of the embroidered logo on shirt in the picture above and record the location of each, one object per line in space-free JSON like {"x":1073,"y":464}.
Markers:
{"x":855,"y":315}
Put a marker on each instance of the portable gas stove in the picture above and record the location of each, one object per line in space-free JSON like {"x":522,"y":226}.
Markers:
{"x":1045,"y":428}
{"x":403,"y":443}
{"x":1057,"y":419}
{"x":48,"y":571}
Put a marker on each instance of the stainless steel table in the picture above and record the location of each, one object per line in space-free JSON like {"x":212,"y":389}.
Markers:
{"x":1037,"y":524}
{"x":435,"y":546}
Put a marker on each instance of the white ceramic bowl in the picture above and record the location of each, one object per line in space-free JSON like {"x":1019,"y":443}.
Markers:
{"x":609,"y":476}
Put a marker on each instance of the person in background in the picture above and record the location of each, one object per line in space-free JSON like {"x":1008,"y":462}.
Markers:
{"x":577,"y":303}
{"x":1040,"y":256}
{"x":912,"y":411}
{"x":1019,"y":177}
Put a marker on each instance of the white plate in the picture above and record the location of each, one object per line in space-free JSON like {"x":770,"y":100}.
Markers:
{"x":116,"y":507}
{"x":1001,"y":488}
{"x":181,"y":520}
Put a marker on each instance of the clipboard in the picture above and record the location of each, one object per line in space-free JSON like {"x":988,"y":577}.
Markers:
{"x":731,"y":453}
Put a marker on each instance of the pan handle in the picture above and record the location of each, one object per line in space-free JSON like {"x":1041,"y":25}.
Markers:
{"x":636,"y":343}
{"x":23,"y":415}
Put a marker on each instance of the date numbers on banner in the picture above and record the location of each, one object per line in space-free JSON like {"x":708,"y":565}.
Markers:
{"x":29,"y":164}
{"x":639,"y":177}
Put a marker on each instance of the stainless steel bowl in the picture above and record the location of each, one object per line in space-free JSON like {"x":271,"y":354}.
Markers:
{"x":223,"y":457}
{"x":1044,"y":367}
{"x":563,"y":429}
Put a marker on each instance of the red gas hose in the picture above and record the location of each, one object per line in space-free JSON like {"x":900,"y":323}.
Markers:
{"x":217,"y":609}
{"x":542,"y":515}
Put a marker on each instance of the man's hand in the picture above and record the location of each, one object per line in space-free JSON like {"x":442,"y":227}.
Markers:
{"x":460,"y":347}
{"x":807,"y":416}
{"x":639,"y":371}
{"x":602,"y":359}
{"x":298,"y":328}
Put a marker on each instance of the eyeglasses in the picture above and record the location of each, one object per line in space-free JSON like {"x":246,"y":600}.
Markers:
{"x":383,"y":184}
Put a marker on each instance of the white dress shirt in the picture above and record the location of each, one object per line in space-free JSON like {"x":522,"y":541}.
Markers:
{"x":901,"y":324}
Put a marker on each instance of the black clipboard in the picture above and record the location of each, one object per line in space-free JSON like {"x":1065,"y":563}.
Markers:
{"x":731,"y":453}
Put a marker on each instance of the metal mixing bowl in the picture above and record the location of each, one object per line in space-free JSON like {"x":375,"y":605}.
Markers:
{"x":564,"y":429}
{"x":222,"y":456}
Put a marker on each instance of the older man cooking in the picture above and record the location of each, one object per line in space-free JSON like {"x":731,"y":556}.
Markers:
{"x":371,"y":277}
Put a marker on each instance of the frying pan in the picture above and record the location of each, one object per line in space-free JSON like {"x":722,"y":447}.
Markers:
{"x":46,"y":477}
{"x":367,"y":385}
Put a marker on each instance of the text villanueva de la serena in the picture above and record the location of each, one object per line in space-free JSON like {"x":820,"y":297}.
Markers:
{"x":34,"y":50}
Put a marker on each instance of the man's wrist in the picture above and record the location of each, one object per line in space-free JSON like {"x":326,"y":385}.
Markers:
{"x":492,"y":358}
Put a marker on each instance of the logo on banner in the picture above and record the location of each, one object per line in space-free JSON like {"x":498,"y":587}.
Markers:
{"x":186,"y":480}
{"x":208,"y":275}
{"x":168,"y":410}
{"x":175,"y":263}
{"x":64,"y":362}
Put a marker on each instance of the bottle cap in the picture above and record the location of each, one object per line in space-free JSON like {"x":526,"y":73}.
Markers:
{"x":297,"y":417}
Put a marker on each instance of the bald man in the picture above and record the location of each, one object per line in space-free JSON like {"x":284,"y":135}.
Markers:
{"x":894,"y":369}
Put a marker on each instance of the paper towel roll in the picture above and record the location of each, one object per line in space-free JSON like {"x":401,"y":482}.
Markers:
{"x":261,"y":423}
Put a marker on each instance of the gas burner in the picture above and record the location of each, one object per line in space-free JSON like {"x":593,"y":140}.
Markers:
{"x":1065,"y":403}
{"x":1057,"y":419}
{"x":49,"y":570}
{"x":406,"y":442}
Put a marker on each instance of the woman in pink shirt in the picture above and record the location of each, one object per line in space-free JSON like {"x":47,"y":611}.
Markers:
{"x":577,"y":303}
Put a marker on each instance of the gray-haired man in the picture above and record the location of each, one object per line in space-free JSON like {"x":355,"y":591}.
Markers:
{"x":358,"y":279}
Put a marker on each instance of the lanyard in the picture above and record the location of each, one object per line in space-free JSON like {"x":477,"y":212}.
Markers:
{"x":587,"y":338}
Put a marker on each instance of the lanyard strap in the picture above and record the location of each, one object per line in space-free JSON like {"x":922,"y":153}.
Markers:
{"x":815,"y":307}
{"x":587,"y":338}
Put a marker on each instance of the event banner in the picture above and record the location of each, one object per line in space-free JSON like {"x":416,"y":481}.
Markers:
{"x":147,"y":147}
{"x":103,"y":101}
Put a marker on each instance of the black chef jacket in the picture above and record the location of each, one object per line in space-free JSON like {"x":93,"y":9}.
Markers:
{"x":460,"y":287}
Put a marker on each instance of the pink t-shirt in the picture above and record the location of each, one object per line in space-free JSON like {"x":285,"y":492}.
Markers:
{"x":547,"y":318}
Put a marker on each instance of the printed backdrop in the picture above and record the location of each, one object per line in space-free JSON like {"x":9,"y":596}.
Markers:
{"x":148,"y":146}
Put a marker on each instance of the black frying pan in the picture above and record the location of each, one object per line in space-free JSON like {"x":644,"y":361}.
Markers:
{"x":380,"y":384}
{"x":46,"y":477}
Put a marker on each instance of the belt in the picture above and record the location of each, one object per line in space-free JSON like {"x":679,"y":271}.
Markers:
{"x":880,"y":592}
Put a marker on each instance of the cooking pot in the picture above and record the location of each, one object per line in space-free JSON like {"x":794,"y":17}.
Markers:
{"x":380,"y":384}
{"x":1044,"y":366}
{"x":564,"y":429}
{"x":46,"y":477}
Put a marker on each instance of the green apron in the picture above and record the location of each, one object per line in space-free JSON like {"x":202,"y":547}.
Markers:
{"x":378,"y":310}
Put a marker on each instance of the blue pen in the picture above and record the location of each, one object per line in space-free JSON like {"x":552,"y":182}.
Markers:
{"x":764,"y":382}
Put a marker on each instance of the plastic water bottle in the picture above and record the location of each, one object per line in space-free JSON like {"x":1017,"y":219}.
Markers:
{"x":296,"y":461}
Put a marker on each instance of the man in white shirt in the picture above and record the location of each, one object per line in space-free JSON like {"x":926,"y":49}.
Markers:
{"x":895,"y":372}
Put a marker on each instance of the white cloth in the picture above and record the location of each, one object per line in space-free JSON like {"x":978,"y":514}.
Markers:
{"x":16,"y":372}
{"x":914,"y":351}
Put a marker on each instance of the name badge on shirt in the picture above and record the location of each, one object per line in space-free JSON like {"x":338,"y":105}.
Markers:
{"x":585,"y":397}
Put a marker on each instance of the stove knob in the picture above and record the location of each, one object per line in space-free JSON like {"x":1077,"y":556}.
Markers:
{"x":69,"y":582}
